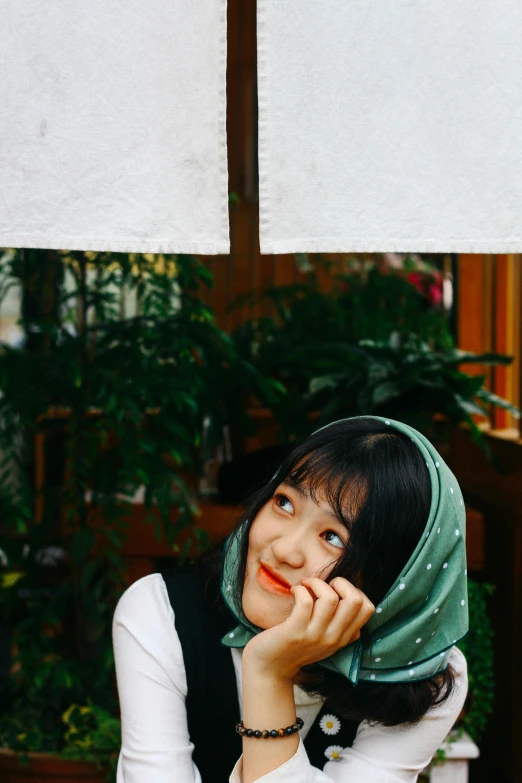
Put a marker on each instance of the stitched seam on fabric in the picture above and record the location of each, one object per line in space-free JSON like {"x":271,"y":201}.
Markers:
{"x":344,"y":245}
{"x":409,"y":666}
{"x":222,"y":127}
{"x":263,"y":93}
{"x":413,"y":679}
{"x":130,"y":245}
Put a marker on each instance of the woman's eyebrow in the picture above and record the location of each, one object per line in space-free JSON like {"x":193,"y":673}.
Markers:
{"x":297,"y":487}
{"x":304,"y":494}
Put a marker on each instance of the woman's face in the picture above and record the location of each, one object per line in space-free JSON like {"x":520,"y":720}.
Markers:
{"x":291,"y":537}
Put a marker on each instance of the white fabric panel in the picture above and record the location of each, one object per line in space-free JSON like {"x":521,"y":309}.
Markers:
{"x":113,"y":125}
{"x":390,"y":125}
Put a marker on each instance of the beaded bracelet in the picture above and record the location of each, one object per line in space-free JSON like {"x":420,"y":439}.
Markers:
{"x":266,"y":734}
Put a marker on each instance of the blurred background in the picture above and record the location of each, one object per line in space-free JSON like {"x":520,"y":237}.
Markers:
{"x":142,"y":397}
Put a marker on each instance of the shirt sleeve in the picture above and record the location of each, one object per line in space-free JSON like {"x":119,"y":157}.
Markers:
{"x":380,"y":754}
{"x":152,"y":688}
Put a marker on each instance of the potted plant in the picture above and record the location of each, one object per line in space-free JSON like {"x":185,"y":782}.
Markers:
{"x":374,"y":343}
{"x":96,"y":403}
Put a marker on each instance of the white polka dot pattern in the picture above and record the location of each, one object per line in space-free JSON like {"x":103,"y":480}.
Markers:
{"x":421,"y":609}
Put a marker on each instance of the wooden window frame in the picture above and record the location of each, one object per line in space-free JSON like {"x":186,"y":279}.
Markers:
{"x":489,"y":318}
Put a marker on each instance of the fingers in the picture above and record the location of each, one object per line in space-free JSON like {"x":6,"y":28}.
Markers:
{"x":328,"y":616}
{"x":355,"y":609}
{"x":324,"y":608}
{"x":300,"y":616}
{"x":347,"y":591}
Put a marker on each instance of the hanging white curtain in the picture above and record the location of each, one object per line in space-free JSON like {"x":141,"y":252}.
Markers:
{"x":113,"y":126}
{"x":390,"y":125}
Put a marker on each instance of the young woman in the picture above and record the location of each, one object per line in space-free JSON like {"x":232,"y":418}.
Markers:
{"x":324,"y":627}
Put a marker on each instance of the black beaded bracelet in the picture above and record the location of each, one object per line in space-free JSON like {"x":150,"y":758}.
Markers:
{"x":266,"y":734}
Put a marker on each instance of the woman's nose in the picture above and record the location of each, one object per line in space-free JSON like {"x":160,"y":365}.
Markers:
{"x":289,"y":549}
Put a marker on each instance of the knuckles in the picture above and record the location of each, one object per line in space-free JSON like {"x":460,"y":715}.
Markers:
{"x":352,"y":595}
{"x":307,"y":643}
{"x":356,"y":605}
{"x":339,"y":582}
{"x":369,"y":608}
{"x":331,"y":599}
{"x":305,"y":594}
{"x":358,"y":601}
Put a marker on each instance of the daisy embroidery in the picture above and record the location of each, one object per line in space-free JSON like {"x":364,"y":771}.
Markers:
{"x":333,"y":752}
{"x":330,"y":724}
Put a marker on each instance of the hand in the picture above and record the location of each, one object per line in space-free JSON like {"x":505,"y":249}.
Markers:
{"x":325,"y":618}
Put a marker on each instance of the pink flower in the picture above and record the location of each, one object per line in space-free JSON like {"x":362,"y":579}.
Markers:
{"x":415,"y":279}
{"x":435,"y":294}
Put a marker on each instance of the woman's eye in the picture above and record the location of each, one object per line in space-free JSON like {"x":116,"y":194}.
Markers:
{"x":281,"y":500}
{"x":334,"y":539}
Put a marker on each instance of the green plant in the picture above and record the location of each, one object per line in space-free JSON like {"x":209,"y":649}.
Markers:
{"x":92,"y":734}
{"x":372,"y":344}
{"x":118,"y":401}
{"x":477,"y":647}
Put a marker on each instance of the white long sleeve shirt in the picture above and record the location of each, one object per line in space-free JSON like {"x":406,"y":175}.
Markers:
{"x":152,"y":687}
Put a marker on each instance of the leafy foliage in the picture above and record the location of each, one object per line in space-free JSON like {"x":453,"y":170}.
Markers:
{"x":118,"y":402}
{"x":93,"y":734}
{"x":370,"y":345}
{"x":115,"y":403}
{"x":477,"y":647}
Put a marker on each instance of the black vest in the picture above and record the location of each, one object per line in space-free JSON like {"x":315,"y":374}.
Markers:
{"x":212,"y":699}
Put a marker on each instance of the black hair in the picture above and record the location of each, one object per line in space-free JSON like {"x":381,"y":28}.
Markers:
{"x":375,"y":479}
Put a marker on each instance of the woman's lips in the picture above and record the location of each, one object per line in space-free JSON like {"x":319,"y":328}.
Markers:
{"x":269,"y":582}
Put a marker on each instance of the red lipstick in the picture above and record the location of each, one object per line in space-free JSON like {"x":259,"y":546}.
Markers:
{"x":271,"y":581}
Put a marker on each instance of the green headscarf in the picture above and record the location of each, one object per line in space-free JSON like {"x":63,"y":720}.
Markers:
{"x":423,"y":614}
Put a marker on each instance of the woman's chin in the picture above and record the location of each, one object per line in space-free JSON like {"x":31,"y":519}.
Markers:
{"x":258,"y":622}
{"x":257,"y":617}
{"x":264,"y":616}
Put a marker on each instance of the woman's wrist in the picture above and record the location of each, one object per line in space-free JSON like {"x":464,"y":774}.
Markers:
{"x":268,"y":672}
{"x":268,"y":704}
{"x":286,"y":731}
